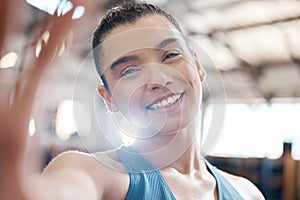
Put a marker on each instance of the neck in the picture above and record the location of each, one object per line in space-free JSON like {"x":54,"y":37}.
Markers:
{"x":178,"y":150}
{"x":190,"y":161}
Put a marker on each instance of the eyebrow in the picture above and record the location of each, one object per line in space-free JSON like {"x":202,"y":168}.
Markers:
{"x":125,"y":59}
{"x":166,"y":42}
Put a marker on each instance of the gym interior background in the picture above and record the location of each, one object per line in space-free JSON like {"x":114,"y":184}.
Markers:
{"x":253,"y":45}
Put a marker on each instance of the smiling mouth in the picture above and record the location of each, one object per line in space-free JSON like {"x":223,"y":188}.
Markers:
{"x":164,"y":103}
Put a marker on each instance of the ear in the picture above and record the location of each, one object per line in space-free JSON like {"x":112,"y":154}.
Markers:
{"x":200,"y":69}
{"x":106,"y":96}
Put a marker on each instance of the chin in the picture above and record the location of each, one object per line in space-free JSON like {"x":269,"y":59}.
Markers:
{"x":173,"y":128}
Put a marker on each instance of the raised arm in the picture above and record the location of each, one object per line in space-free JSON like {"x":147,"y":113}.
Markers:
{"x":66,"y":177}
{"x":16,"y":102}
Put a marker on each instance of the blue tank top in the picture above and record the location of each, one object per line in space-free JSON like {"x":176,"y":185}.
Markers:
{"x":147,"y":183}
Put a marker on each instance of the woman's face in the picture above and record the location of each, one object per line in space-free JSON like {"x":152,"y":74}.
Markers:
{"x":153,"y":78}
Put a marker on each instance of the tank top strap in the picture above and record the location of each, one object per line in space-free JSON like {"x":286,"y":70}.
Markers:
{"x":225,"y":190}
{"x":146,"y":182}
{"x":133,"y":161}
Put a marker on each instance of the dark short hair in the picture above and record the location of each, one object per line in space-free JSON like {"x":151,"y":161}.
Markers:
{"x":123,"y":14}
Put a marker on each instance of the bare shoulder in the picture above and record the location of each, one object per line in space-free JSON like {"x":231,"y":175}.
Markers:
{"x":102,"y":160}
{"x":96,"y":164}
{"x":104,"y":169}
{"x":69,"y":159}
{"x":245,"y":187}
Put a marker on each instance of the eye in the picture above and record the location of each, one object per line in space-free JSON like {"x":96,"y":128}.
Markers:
{"x":171,"y":55}
{"x":129,"y":70}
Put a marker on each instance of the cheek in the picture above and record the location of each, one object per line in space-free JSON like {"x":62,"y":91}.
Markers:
{"x":191,"y":76}
{"x":123,"y":90}
{"x":134,"y":110}
{"x":128,"y":99}
{"x":194,"y":83}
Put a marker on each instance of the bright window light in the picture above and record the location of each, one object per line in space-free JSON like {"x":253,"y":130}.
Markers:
{"x":60,"y":7}
{"x":78,"y":12}
{"x":32,"y":128}
{"x":64,"y":7}
{"x":48,"y":6}
{"x":258,"y":130}
{"x":9,"y":60}
{"x":65,"y":123}
{"x":72,"y":118}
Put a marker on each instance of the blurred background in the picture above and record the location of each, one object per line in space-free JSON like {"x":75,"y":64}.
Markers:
{"x":254,"y":45}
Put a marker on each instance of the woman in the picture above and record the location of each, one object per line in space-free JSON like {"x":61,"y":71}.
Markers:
{"x":153,"y":79}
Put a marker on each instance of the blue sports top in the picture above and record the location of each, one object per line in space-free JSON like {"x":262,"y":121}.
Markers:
{"x":147,"y":183}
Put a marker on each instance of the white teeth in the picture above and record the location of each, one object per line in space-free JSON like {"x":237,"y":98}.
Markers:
{"x":165,"y":102}
{"x":158,"y":105}
{"x":170,"y":99}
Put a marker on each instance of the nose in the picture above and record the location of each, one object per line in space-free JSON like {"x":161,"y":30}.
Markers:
{"x":158,"y":79}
